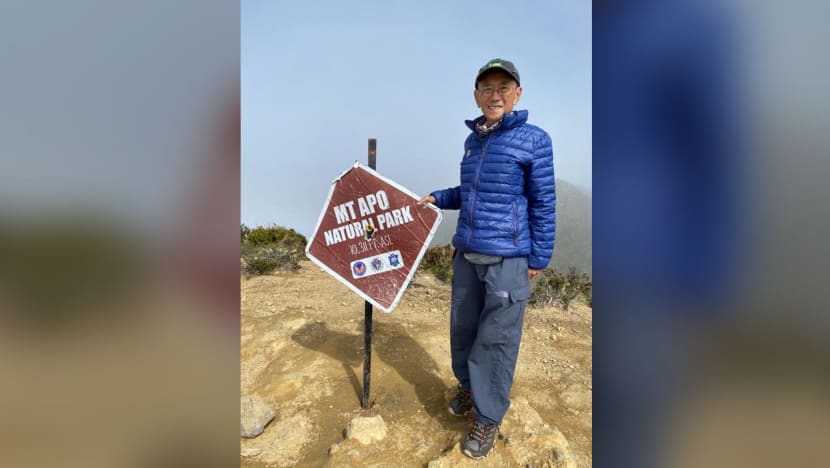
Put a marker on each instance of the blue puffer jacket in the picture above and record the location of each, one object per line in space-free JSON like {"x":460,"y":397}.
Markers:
{"x":507,"y":194}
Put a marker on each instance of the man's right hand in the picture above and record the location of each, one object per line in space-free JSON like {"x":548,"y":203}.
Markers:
{"x":427,"y":199}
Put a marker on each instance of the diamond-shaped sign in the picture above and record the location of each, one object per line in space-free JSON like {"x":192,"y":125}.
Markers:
{"x":371,"y":235}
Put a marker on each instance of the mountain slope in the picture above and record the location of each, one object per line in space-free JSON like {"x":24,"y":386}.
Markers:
{"x":302,"y":352}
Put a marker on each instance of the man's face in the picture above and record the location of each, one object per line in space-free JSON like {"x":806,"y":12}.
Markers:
{"x":496,"y":94}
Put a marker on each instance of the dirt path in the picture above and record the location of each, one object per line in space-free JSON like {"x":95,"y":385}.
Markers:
{"x":302,"y":339}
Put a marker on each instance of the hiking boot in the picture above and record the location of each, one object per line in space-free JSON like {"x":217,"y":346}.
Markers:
{"x":478,"y":443}
{"x":461,"y":403}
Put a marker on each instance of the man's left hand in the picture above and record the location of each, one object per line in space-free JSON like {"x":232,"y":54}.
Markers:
{"x":531,"y":273}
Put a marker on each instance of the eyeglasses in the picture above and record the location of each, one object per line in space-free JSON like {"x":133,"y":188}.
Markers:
{"x":489,"y":90}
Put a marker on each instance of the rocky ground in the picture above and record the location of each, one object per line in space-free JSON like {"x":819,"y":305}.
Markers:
{"x":302,"y":355}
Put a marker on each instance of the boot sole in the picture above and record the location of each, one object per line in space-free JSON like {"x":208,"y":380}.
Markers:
{"x":470,"y":455}
{"x":469,"y":411}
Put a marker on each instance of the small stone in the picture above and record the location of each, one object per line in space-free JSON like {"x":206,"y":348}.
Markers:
{"x":366,"y":429}
{"x":250,"y":451}
{"x":255,"y":414}
{"x":295,"y":324}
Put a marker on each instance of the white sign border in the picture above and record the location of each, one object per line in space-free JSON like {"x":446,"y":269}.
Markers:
{"x":415,"y":264}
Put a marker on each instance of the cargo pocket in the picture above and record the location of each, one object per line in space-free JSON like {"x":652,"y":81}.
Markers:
{"x":510,"y":317}
{"x":520,"y":294}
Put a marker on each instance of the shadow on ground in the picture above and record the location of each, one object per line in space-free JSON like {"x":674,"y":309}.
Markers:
{"x":391,"y":344}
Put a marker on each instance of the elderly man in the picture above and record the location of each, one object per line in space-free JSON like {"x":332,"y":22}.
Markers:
{"x":504,"y":237}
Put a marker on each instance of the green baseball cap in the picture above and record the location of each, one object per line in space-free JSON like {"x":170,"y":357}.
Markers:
{"x":499,"y":64}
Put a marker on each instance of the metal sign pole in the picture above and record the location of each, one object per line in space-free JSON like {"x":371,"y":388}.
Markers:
{"x":367,"y":309}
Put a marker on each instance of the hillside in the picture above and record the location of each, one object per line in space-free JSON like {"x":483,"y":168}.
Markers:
{"x":302,"y":339}
{"x":573,"y":228}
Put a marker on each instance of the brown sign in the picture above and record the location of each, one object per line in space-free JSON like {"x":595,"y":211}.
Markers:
{"x":371,"y":235}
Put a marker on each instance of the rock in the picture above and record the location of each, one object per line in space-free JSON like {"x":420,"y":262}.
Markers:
{"x":255,"y":414}
{"x":366,"y":429}
{"x":525,"y":440}
{"x":295,"y":324}
{"x":532,"y":441}
{"x":250,"y":451}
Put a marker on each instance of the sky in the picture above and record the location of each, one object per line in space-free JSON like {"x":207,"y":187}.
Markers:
{"x":318,"y":79}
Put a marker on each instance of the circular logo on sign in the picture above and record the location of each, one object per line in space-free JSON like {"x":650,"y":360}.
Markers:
{"x":377,"y":264}
{"x":359,"y":268}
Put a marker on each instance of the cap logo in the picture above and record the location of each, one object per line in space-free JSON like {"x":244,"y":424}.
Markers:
{"x":495,"y":64}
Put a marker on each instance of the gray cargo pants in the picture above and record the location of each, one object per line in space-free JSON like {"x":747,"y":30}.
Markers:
{"x":488,"y":304}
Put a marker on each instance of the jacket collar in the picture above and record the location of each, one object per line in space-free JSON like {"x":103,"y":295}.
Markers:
{"x":508,"y":121}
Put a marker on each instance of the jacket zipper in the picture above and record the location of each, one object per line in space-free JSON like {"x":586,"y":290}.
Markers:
{"x":475,"y":188}
{"x":515,"y":224}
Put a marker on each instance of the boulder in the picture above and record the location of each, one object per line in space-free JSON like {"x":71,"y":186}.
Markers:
{"x":524,"y":440}
{"x":367,"y":429}
{"x":255,"y":413}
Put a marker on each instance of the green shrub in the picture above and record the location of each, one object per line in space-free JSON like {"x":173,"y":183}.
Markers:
{"x":259,"y":260}
{"x":267,"y":249}
{"x":557,"y":287}
{"x":275,"y":235}
{"x":438,"y":261}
